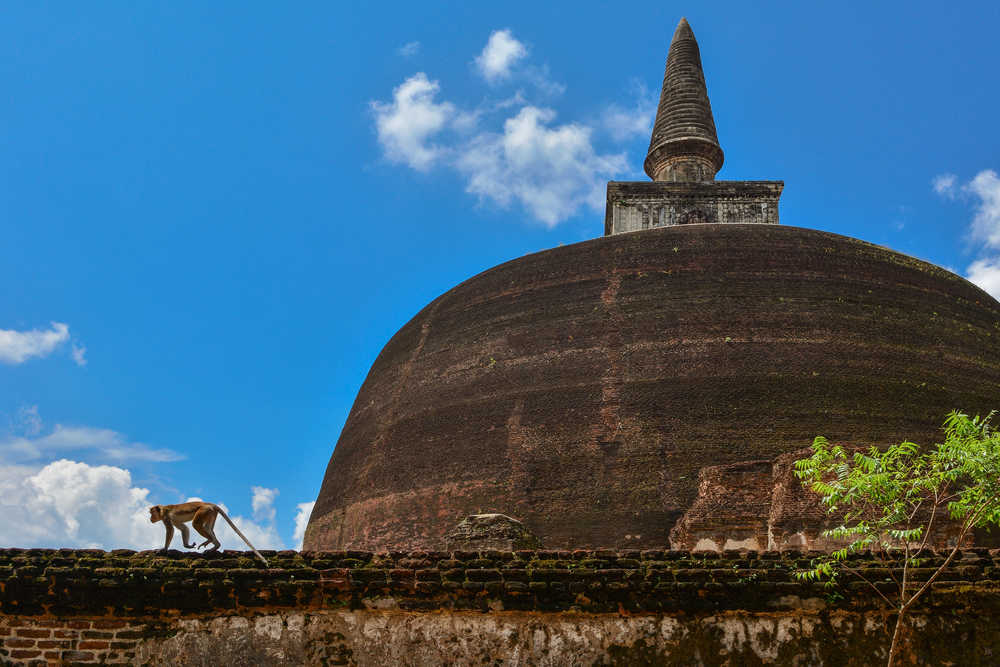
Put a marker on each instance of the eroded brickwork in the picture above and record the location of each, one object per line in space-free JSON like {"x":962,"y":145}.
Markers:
{"x":731,"y":510}
{"x":527,"y":607}
{"x":763,"y":505}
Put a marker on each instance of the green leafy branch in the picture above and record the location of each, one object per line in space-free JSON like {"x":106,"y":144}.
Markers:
{"x":890,"y":502}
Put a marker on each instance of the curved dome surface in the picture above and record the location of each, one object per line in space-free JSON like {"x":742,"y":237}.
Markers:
{"x":581,"y":389}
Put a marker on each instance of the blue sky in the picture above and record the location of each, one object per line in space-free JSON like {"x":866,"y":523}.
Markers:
{"x":214,"y":215}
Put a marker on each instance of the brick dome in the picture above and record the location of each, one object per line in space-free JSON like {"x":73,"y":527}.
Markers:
{"x":582,"y":389}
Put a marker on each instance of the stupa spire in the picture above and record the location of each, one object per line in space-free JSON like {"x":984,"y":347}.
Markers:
{"x":684,"y":156}
{"x":684,"y":146}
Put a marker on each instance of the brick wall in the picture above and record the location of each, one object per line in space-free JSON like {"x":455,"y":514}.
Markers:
{"x":56,"y":640}
{"x":541,"y":607}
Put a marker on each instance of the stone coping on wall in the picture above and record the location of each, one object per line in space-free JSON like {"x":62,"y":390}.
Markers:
{"x":150,"y":585}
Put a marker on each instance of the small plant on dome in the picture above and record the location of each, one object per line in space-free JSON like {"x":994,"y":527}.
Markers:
{"x":891,"y":501}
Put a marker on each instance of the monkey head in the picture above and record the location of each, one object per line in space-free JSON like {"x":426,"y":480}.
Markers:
{"x":155,"y":513}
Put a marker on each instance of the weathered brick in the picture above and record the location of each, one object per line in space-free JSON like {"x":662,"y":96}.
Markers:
{"x":24,"y":654}
{"x":37,"y":633}
{"x":78,"y":656}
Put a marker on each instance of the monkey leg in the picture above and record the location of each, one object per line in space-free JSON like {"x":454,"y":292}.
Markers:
{"x":185,"y":536}
{"x":170,"y":535}
{"x":204,"y":523}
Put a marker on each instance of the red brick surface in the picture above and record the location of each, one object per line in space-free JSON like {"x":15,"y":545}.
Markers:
{"x":582,"y":389}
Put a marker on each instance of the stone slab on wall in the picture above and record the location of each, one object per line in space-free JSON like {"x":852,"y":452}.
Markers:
{"x":633,"y":206}
{"x":526,"y":607}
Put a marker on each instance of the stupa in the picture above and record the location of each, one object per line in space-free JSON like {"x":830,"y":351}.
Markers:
{"x":645,"y":388}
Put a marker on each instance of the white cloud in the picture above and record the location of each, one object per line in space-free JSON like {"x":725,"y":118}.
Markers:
{"x":16,"y":347}
{"x":405,"y":125}
{"x":944,"y":185}
{"x":986,"y":223}
{"x":984,"y":191}
{"x":552,"y":171}
{"x":625,"y":122}
{"x":72,"y":504}
{"x":540,"y":78}
{"x":28,"y":421}
{"x":409,"y":49}
{"x":262,"y":536}
{"x":30,"y":446}
{"x":301,"y":521}
{"x":261,"y":531}
{"x":263,"y":503}
{"x":79,"y":353}
{"x":502,"y":50}
{"x":508,"y":151}
{"x":986,"y":274}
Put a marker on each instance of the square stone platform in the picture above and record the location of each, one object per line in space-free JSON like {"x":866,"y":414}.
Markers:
{"x":637,"y":205}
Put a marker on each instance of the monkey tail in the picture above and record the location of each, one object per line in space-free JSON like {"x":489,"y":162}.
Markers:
{"x":233,"y":526}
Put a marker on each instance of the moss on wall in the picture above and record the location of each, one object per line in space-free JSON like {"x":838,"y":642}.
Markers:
{"x":526,"y":607}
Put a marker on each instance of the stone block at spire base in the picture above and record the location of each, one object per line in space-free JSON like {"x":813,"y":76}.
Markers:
{"x":637,"y":205}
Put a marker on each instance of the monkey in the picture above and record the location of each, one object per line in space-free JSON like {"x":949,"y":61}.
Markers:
{"x":202,"y":516}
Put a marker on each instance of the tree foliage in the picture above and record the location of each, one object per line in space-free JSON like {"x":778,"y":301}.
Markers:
{"x":891,"y":501}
